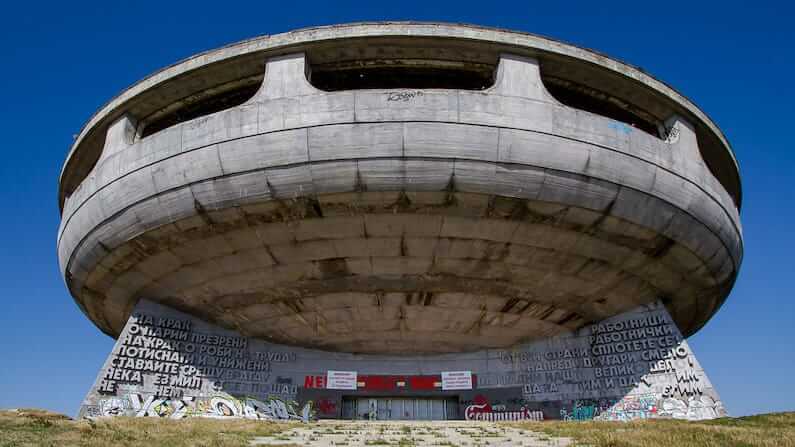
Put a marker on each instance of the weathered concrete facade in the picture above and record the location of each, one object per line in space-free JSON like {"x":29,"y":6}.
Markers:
{"x":635,"y":365}
{"x":401,"y":221}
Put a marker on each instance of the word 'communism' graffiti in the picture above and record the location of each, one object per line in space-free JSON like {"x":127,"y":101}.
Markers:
{"x":481,"y":410}
{"x":219,"y":406}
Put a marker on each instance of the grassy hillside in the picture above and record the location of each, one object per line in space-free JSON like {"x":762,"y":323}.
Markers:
{"x":42,"y":428}
{"x":765,"y":430}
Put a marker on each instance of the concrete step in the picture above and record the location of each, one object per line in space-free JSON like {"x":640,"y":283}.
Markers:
{"x":410,"y":433}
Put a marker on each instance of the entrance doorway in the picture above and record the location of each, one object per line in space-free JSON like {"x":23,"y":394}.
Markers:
{"x":400,"y":408}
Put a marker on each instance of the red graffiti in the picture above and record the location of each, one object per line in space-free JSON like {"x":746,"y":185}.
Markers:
{"x":314,"y":381}
{"x":327,"y":406}
{"x":481,"y":410}
{"x":481,"y":404}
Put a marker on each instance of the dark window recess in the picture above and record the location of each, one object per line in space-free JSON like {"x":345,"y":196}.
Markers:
{"x":201,"y":107}
{"x":402,"y":77}
{"x":599,"y":104}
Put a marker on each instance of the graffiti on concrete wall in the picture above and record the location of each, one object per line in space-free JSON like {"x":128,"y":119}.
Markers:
{"x":482,"y":410}
{"x":327,"y":406}
{"x":620,"y":127}
{"x":404,"y":95}
{"x":694,"y":408}
{"x":587,"y":409}
{"x":645,"y":406}
{"x":630,"y":407}
{"x":169,"y":365}
{"x":219,"y":406}
{"x":670,"y":134}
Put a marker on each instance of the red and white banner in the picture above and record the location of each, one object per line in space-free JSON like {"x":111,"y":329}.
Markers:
{"x":341,"y":380}
{"x":457,"y":380}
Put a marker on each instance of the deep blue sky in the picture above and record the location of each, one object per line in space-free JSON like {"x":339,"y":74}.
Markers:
{"x":61,"y":61}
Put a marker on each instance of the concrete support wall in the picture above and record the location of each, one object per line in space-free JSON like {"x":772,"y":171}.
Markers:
{"x":632,"y":366}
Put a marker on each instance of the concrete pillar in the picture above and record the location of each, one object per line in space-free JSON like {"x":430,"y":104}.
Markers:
{"x":681,"y":137}
{"x":120,"y":135}
{"x":678,"y":131}
{"x":520,"y":76}
{"x":285,"y":77}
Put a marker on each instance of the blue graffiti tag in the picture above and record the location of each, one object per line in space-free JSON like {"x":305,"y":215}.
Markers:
{"x":620,"y":127}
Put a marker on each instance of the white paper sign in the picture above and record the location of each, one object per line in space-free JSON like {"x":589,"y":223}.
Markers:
{"x":341,"y":380}
{"x":457,"y":380}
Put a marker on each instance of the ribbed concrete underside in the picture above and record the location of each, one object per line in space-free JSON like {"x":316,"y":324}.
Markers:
{"x":393,"y":272}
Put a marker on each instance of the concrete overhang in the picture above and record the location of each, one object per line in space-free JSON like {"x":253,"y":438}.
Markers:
{"x":244,"y":62}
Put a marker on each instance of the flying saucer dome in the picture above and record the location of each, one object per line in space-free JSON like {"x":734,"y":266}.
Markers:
{"x":400,"y":188}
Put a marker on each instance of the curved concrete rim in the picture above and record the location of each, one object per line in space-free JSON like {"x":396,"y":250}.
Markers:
{"x":392,"y":28}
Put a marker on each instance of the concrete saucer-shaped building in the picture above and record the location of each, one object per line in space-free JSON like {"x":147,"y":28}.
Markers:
{"x":394,"y":202}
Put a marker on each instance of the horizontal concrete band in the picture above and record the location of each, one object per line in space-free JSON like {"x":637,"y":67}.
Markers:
{"x":428,"y":175}
{"x":385,"y":140}
{"x":411,"y":171}
{"x":362,"y":111}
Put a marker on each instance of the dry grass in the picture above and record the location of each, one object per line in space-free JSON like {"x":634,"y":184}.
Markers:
{"x":42,"y":428}
{"x":766,"y":430}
